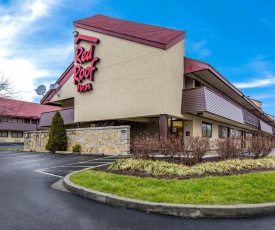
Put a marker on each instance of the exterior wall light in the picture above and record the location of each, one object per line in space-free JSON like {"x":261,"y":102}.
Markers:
{"x":54,"y":87}
{"x":75,"y":33}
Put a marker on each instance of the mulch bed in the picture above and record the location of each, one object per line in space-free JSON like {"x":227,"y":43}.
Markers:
{"x":177,"y":177}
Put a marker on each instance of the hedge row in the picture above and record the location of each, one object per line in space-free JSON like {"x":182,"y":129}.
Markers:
{"x":195,"y":147}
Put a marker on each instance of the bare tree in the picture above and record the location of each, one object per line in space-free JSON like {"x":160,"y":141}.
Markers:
{"x":8,"y":107}
{"x":6,"y":88}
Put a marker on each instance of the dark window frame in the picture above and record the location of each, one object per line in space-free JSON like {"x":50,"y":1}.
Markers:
{"x":232,"y":133}
{"x":221,"y":127}
{"x":208,"y":135}
{"x":238,"y":133}
{"x":16,"y":134}
{"x":4,"y":119}
{"x":1,"y":133}
{"x":20,"y":120}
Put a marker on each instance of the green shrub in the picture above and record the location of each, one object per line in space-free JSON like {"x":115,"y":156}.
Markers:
{"x":57,"y":136}
{"x":165,"y":168}
{"x":76,"y":148}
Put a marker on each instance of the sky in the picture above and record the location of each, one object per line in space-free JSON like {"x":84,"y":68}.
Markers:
{"x":236,"y":37}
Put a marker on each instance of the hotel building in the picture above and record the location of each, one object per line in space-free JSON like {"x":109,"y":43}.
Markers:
{"x":127,"y":73}
{"x":17,"y":117}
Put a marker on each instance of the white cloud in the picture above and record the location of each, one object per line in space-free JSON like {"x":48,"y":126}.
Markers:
{"x":256,"y":83}
{"x":262,"y":73}
{"x":263,"y":96}
{"x":198,"y":48}
{"x":25,"y":57}
{"x":266,"y":22}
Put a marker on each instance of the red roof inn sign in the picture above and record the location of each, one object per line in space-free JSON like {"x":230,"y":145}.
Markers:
{"x":82,"y":56}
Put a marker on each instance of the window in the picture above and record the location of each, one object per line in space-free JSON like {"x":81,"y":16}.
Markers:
{"x":34,"y":121}
{"x":232,"y":132}
{"x":238,"y":133}
{"x":20,"y":120}
{"x":27,"y":120}
{"x":3,"y":133}
{"x":206,"y":130}
{"x":4,"y":119}
{"x":197,"y":83}
{"x":222,"y":132}
{"x":17,"y":134}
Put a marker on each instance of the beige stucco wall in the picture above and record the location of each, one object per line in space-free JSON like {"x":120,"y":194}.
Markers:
{"x":132,"y":80}
{"x":257,"y":103}
{"x":103,"y":140}
{"x":68,"y":104}
{"x":195,"y":127}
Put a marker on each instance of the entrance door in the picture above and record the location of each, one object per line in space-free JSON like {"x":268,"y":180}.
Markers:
{"x":175,"y":127}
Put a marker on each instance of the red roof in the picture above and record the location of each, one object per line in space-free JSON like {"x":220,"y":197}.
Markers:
{"x":146,"y":34}
{"x":16,"y":108}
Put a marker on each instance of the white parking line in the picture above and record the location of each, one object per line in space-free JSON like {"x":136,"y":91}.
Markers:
{"x":98,"y":166}
{"x":89,"y":162}
{"x":49,"y":174}
{"x":72,"y":165}
{"x":19,"y":162}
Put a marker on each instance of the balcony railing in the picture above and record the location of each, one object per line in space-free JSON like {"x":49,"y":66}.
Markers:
{"x":17,"y":126}
{"x":251,"y":120}
{"x":203,"y":99}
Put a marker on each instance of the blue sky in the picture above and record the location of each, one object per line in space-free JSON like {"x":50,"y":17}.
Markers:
{"x":236,"y":37}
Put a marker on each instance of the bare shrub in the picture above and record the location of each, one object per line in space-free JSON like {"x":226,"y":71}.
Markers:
{"x":196,"y":147}
{"x":148,"y":145}
{"x":172,"y":146}
{"x":260,"y":145}
{"x":227,"y":148}
{"x":144,"y":145}
{"x":177,"y":146}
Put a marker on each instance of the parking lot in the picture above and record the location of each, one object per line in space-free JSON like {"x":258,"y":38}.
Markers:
{"x":28,"y":201}
{"x":53,"y":164}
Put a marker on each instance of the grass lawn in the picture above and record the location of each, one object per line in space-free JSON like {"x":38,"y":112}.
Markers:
{"x":241,"y":189}
{"x":7,"y":149}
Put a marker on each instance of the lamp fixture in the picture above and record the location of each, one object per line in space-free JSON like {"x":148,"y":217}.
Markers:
{"x":75,"y":33}
{"x":54,"y":87}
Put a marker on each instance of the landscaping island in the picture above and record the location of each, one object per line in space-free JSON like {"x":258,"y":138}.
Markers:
{"x":249,"y":188}
{"x":231,"y":184}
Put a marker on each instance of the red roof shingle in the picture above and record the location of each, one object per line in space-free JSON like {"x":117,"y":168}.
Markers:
{"x":16,"y":108}
{"x":146,"y":34}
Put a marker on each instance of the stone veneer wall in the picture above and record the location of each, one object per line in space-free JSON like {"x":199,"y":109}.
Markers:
{"x":103,"y":140}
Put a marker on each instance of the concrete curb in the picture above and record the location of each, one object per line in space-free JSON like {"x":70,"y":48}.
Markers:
{"x":182,"y":210}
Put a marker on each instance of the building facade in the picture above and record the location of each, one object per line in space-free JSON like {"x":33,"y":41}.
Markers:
{"x":16,"y":117}
{"x":126,"y":73}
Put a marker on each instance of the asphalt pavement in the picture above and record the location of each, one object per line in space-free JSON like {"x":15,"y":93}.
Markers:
{"x":28,"y":202}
